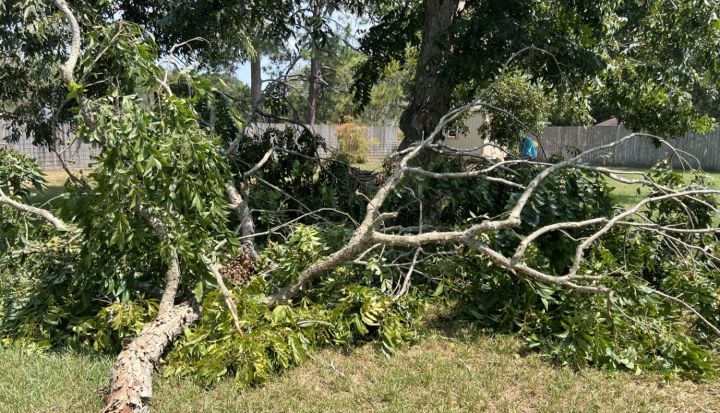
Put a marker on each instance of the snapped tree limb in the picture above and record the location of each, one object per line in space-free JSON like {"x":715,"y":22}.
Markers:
{"x":131,"y":378}
{"x":48,"y":216}
{"x":69,"y":66}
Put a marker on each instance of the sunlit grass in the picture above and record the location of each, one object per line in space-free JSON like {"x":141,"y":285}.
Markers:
{"x":467,"y":371}
{"x":628,"y":195}
{"x":368,"y":166}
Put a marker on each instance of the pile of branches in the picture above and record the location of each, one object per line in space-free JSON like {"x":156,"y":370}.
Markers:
{"x":153,"y":222}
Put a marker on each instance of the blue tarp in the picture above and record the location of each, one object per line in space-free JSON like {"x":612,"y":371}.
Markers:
{"x":528,"y":149}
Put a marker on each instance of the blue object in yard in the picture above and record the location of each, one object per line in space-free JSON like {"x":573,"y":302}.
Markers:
{"x":528,"y":149}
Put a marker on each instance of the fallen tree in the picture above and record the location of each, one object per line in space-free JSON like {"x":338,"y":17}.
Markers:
{"x":131,"y":378}
{"x":155,"y":211}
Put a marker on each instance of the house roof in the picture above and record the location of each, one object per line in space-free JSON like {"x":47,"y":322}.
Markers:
{"x":609,"y":122}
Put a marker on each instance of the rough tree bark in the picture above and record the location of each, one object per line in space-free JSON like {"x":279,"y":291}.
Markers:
{"x":255,"y":82}
{"x":312,"y":91}
{"x":431,"y":94}
{"x":132,"y":375}
{"x":247,"y":227}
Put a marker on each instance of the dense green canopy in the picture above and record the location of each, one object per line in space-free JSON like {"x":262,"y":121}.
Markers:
{"x":647,"y":62}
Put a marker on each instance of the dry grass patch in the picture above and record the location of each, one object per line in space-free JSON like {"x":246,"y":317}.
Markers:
{"x":469,"y":372}
{"x":56,"y":178}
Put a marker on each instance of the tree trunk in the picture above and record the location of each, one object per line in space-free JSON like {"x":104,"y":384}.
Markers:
{"x":131,"y":386}
{"x":256,"y":82}
{"x":430,"y":99}
{"x":247,"y":227}
{"x":312,"y":91}
{"x":212,"y":118}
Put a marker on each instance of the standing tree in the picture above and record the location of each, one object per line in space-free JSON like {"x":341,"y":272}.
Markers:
{"x":642,"y":58}
{"x":335,"y":101}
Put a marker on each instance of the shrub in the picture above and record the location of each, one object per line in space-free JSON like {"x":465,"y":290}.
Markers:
{"x":524,"y":100}
{"x":352,"y":143}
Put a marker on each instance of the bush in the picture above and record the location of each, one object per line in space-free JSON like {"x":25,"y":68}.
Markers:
{"x":525,"y":101}
{"x":352,"y":143}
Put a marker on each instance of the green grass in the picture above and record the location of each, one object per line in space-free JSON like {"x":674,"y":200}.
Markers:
{"x":627,"y":195}
{"x":468,"y":372}
{"x":368,"y":166}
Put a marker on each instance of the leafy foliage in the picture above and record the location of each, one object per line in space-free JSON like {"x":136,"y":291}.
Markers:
{"x":342,"y":314}
{"x":650,"y":64}
{"x":158,"y":190}
{"x":634,"y":329}
{"x":352,"y":143}
{"x":385,"y":44}
{"x":18,"y":176}
{"x":160,"y":160}
{"x":296,"y":180}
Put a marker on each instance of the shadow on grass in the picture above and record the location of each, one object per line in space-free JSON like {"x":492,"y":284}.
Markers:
{"x":452,"y":321}
{"x":47,"y":197}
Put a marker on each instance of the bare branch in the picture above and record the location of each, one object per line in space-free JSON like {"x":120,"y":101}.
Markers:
{"x":261,"y":163}
{"x":689,"y":307}
{"x":405,"y":287}
{"x":525,"y":243}
{"x":579,"y":252}
{"x":247,"y":226}
{"x":503,"y":262}
{"x":461,"y":175}
{"x":294,"y":220}
{"x":69,"y":67}
{"x":39,"y":212}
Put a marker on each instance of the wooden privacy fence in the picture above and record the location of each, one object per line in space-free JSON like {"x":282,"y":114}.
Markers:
{"x":75,"y":155}
{"x":382,"y":140}
{"x":636,"y":153}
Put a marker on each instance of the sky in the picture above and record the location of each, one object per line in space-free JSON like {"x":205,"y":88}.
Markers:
{"x":357,"y":25}
{"x":243,"y":73}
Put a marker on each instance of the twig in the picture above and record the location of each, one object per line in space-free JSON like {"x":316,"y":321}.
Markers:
{"x":227,"y":296}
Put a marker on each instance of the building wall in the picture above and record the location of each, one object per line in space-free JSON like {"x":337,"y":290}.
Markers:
{"x":471,"y":139}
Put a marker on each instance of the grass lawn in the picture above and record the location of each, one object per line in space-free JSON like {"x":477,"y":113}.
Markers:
{"x":368,"y":166}
{"x":57,"y":178}
{"x":468,"y":372}
{"x":627,"y":195}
